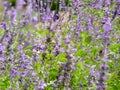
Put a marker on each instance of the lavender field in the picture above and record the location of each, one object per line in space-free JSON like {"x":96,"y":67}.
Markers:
{"x":59,"y":44}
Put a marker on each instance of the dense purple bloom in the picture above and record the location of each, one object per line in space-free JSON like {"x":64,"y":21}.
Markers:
{"x":67,"y":39}
{"x":13,"y":71}
{"x":89,"y":22}
{"x":41,"y":85}
{"x":78,"y":25}
{"x":24,"y":73}
{"x":48,"y":0}
{"x":52,"y":51}
{"x":12,"y":13}
{"x":98,"y":4}
{"x":118,"y":9}
{"x":75,"y":3}
{"x":107,"y":26}
{"x":6,"y":5}
{"x":62,"y":5}
{"x":107,"y":2}
{"x":45,"y":17}
{"x":24,"y":22}
{"x":56,"y":17}
{"x":2,"y":57}
{"x":56,"y":50}
{"x":3,"y":25}
{"x":20,"y":4}
{"x":106,"y":11}
{"x":104,"y":19}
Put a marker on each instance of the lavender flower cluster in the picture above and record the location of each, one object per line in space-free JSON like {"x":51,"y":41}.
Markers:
{"x":74,"y":47}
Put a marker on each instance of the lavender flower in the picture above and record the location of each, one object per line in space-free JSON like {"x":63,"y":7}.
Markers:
{"x":101,"y":78}
{"x":107,"y":2}
{"x":118,"y":7}
{"x":2,"y":57}
{"x":67,"y":40}
{"x":107,"y":26}
{"x":3,"y":25}
{"x":13,"y":72}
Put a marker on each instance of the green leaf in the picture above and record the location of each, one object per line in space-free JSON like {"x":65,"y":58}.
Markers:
{"x":114,"y":47}
{"x":61,"y":57}
{"x":4,"y":82}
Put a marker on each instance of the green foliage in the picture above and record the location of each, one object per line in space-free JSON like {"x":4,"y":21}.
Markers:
{"x":78,"y":75}
{"x":4,"y":82}
{"x":56,"y":3}
{"x":37,"y":66}
{"x":87,"y":48}
{"x":114,"y":47}
{"x":85,"y":38}
{"x":61,"y":57}
{"x":1,"y":31}
{"x":116,"y":25}
{"x":13,"y":2}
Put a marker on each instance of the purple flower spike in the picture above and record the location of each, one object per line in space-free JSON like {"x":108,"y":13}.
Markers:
{"x":67,"y":40}
{"x":13,"y":71}
{"x":107,"y":26}
{"x":118,"y":9}
{"x":107,"y":2}
{"x":41,"y":85}
{"x":3,"y":25}
{"x":2,"y":52}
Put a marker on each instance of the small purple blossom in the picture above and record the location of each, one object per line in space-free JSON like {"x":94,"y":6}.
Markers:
{"x":13,"y":71}
{"x":107,"y":26}
{"x":2,"y":57}
{"x":3,"y":25}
